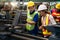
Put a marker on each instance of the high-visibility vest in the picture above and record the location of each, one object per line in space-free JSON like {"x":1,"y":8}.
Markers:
{"x":55,"y":14}
{"x":45,"y":31}
{"x":30,"y":18}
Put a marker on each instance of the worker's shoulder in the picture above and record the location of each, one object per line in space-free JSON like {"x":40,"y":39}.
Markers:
{"x":36,"y":11}
{"x":50,"y":17}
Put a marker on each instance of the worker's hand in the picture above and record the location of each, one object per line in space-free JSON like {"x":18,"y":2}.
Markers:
{"x":41,"y":27}
{"x":31,"y":22}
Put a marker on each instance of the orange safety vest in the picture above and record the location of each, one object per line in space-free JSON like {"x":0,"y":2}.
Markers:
{"x":57,"y":15}
{"x":46,"y":32}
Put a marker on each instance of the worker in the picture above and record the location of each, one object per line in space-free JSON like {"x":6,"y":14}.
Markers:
{"x":46,"y":20}
{"x":56,"y":13}
{"x":32,"y":19}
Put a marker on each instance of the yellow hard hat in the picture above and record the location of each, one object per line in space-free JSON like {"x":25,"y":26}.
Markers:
{"x":30,"y":3}
{"x":58,"y":6}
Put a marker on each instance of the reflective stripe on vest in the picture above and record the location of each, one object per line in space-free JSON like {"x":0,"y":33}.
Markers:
{"x":46,"y":21}
{"x":55,"y":14}
{"x":46,"y":32}
{"x":30,"y":18}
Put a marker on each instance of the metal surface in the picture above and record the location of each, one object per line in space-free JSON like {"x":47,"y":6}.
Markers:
{"x":15,"y":22}
{"x":21,"y":37}
{"x":30,"y":36}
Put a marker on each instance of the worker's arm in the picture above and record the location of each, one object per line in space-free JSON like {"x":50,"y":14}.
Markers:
{"x":31,"y":22}
{"x":52,"y":20}
{"x":41,"y":27}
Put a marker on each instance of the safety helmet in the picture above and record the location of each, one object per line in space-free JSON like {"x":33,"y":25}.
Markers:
{"x":58,"y":6}
{"x":30,"y":3}
{"x":42,"y":7}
